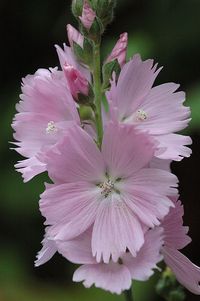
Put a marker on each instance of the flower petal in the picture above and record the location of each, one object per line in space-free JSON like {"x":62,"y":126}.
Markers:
{"x":164,"y":109}
{"x":125,"y":150}
{"x":47,"y":251}
{"x":135,"y":81}
{"x":175,"y":234}
{"x":174,"y":147}
{"x":30,"y":168}
{"x":77,"y":250}
{"x":69,"y":208}
{"x":75,"y":158}
{"x":115,"y":229}
{"x":112,"y":277}
{"x":146,"y":193}
{"x":141,"y":267}
{"x":187,"y":273}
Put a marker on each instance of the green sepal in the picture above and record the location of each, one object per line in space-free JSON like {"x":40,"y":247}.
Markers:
{"x":108,"y":70}
{"x":85,"y":112}
{"x":177,"y":295}
{"x":86,"y":100}
{"x":77,"y":8}
{"x":88,"y":52}
{"x":84,"y":55}
{"x":105,"y":10}
{"x":78,"y":50}
{"x":96,"y":30}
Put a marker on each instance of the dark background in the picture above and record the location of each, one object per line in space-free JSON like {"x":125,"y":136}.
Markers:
{"x":166,"y":30}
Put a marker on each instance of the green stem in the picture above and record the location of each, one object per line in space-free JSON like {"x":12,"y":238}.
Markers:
{"x":128,"y":295}
{"x":97,"y":92}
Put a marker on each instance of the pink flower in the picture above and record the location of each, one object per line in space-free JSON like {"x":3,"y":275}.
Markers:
{"x":117,"y":276}
{"x":88,"y":15}
{"x":114,"y":276}
{"x":111,"y":190}
{"x":76,"y":82}
{"x":119,"y":51}
{"x":176,"y":238}
{"x":158,"y":110}
{"x":66,"y":56}
{"x":74,"y":36}
{"x":45,"y":112}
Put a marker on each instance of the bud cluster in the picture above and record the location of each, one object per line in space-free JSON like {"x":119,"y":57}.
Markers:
{"x":93,"y":16}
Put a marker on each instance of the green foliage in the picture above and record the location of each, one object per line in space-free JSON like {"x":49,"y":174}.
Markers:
{"x":193,"y":100}
{"x":168,"y":287}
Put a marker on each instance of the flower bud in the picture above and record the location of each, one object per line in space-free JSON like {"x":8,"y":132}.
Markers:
{"x":74,"y":36}
{"x":119,"y":51}
{"x":88,"y":15}
{"x":104,"y":10}
{"x":77,"y":83}
{"x":77,"y":7}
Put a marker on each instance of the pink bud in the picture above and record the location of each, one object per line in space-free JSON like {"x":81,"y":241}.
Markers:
{"x":88,"y":15}
{"x":119,"y":51}
{"x":74,"y":36}
{"x":77,"y":83}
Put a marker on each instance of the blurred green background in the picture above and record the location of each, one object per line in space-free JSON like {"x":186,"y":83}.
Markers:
{"x":166,"y":30}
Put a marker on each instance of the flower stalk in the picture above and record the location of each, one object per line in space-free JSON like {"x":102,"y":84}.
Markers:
{"x":97,"y":92}
{"x":128,"y":295}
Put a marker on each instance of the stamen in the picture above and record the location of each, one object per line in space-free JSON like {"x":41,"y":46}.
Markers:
{"x":141,"y":115}
{"x":107,"y":187}
{"x":51,"y":127}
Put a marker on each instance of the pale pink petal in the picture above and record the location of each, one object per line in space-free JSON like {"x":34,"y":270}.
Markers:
{"x":134,"y":83}
{"x":36,"y":130}
{"x":74,"y":36}
{"x":112,"y":277}
{"x":77,"y":250}
{"x":89,"y":127}
{"x":187,"y":273}
{"x":160,"y":164}
{"x":149,"y":208}
{"x":175,"y":234}
{"x":75,"y":158}
{"x":30,"y":168}
{"x":122,"y":156}
{"x":116,"y":228}
{"x":70,"y":208}
{"x":163,"y":109}
{"x":174,"y":147}
{"x":147,"y":180}
{"x":66,"y":56}
{"x":47,"y":251}
{"x":141,"y":267}
{"x":119,"y":51}
{"x":146,"y":194}
{"x":47,"y":94}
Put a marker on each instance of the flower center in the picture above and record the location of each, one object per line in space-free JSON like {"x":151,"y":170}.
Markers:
{"x":106,"y":187}
{"x":141,"y":115}
{"x":51,"y":127}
